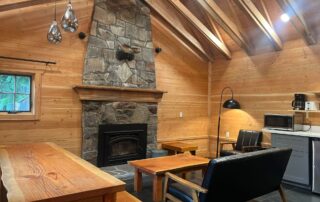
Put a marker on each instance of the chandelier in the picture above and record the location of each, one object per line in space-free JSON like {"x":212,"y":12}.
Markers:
{"x":69,"y":23}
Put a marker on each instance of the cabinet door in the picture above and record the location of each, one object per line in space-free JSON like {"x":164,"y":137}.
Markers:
{"x":316,"y":166}
{"x":298,"y":166}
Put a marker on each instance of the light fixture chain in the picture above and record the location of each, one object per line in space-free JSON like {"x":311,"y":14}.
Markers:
{"x":55,"y":10}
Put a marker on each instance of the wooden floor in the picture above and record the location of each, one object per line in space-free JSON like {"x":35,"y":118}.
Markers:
{"x":293,"y":194}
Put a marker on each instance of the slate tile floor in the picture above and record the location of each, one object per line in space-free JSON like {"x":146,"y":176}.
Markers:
{"x":293,"y":194}
{"x":126,"y":172}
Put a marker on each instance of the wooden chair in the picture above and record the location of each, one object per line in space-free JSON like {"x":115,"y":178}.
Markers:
{"x":234,"y":178}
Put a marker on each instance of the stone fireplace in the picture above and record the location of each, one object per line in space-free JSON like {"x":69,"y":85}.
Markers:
{"x":97,"y":113}
{"x":113,"y":91}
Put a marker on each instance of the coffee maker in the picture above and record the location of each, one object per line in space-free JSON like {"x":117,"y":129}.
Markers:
{"x":299,"y":102}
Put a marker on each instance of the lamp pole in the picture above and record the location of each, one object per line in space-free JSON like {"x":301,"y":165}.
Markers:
{"x":218,"y":135}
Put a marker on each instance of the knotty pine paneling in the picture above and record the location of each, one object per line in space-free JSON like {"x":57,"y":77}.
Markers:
{"x":185,"y":77}
{"x":264,"y":84}
{"x":23,"y":34}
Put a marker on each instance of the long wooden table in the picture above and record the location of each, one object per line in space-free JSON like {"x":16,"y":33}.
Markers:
{"x":157,"y":167}
{"x":46,"y":172}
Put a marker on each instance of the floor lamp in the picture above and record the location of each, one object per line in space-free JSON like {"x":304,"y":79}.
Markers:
{"x":229,"y":104}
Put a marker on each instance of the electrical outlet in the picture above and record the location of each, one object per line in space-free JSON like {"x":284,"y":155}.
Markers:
{"x":181,"y":114}
{"x":227,"y":134}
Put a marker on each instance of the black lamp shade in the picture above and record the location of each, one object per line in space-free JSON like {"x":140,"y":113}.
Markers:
{"x":231,"y":104}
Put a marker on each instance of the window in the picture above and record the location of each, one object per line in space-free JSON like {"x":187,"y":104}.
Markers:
{"x":20,"y":93}
{"x":15,"y":93}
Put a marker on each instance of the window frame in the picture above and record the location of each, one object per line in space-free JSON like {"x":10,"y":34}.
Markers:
{"x":34,"y":114}
{"x":15,"y":93}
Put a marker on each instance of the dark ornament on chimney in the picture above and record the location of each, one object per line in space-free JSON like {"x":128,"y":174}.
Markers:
{"x":158,"y":50}
{"x":126,"y":52}
{"x":82,"y":35}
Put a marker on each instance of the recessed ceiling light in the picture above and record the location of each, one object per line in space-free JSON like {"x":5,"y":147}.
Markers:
{"x":285,"y":17}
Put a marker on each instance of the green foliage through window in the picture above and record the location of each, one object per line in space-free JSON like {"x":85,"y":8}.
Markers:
{"x":15,"y":93}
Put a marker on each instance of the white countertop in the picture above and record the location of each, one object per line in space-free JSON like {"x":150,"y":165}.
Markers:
{"x":313,"y":132}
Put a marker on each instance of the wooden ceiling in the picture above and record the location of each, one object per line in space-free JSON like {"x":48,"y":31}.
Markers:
{"x":208,"y":28}
{"x":214,"y":28}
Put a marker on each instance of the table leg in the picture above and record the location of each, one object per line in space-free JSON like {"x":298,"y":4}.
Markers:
{"x":3,"y":192}
{"x":137,"y":180}
{"x":110,"y":197}
{"x":157,"y":188}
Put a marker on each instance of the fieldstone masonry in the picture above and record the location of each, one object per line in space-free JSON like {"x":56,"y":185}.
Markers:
{"x":96,"y":113}
{"x":110,"y":27}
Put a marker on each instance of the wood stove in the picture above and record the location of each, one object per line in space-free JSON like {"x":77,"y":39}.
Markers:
{"x":119,"y":143}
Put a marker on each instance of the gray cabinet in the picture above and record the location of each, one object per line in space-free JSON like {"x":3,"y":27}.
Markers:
{"x":316,"y":165}
{"x":298,"y":166}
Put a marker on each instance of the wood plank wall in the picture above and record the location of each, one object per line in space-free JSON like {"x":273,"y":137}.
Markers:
{"x":185,"y":77}
{"x":264,"y":84}
{"x":178,"y":71}
{"x":23,"y":34}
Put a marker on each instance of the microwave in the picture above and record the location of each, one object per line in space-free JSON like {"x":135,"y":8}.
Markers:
{"x":290,"y":122}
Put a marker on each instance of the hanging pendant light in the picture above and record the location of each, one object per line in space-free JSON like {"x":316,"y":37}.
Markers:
{"x":54,"y":34}
{"x":69,"y":21}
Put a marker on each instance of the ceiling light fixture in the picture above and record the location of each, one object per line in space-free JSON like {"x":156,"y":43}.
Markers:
{"x":69,"y":21}
{"x":54,"y":35}
{"x":285,"y":17}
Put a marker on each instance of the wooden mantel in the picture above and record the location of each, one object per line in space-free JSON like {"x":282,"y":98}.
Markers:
{"x":118,"y":94}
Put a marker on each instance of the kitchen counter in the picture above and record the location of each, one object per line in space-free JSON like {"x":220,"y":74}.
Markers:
{"x":299,"y":166}
{"x":313,"y":132}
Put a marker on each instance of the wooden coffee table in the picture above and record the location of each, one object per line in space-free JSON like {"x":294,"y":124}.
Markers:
{"x":157,"y":167}
{"x":46,"y":172}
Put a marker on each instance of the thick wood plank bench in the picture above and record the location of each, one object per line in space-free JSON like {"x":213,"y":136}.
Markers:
{"x":124,"y":196}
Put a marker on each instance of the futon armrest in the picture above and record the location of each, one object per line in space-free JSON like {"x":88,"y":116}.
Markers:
{"x":186,"y":183}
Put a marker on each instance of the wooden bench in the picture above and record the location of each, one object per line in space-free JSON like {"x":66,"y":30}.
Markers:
{"x":124,"y":196}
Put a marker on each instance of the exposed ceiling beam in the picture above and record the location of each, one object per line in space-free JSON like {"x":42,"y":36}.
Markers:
{"x":197,"y":11}
{"x":298,"y":21}
{"x":198,"y":48}
{"x":249,"y":8}
{"x":234,"y":11}
{"x":159,"y":24}
{"x":214,"y":28}
{"x":225,"y":22}
{"x":222,"y":48}
{"x":265,"y":12}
